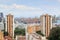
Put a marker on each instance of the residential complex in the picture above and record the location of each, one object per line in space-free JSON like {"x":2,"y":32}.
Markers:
{"x":9,"y":26}
{"x":31,"y":32}
{"x":46,"y":24}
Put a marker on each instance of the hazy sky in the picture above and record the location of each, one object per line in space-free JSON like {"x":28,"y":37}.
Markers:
{"x":30,"y":8}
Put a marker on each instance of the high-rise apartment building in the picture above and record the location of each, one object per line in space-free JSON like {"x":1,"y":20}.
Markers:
{"x":46,"y":24}
{"x":9,"y":25}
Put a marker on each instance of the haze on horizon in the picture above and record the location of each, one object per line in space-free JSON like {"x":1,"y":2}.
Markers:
{"x":30,"y":8}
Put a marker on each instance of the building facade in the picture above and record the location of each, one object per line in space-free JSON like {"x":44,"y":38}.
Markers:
{"x":30,"y":29}
{"x":1,"y":35}
{"x":46,"y":24}
{"x":35,"y":36}
{"x":9,"y":26}
{"x":1,"y":21}
{"x":20,"y":37}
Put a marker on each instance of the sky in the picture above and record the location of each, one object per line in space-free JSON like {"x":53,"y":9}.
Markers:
{"x":30,"y":8}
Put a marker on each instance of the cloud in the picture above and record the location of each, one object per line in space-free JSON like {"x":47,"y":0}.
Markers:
{"x":20,"y":10}
{"x":15,"y":6}
{"x":58,"y":0}
{"x":52,"y":0}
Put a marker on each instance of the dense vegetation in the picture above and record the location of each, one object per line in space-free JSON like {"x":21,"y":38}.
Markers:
{"x":5,"y":33}
{"x":39,"y":32}
{"x":54,"y":34}
{"x":19,"y":31}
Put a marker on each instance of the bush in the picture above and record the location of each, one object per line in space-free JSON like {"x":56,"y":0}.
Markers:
{"x":54,"y":34}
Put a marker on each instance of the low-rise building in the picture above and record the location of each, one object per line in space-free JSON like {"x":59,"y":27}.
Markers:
{"x":20,"y":37}
{"x":1,"y":35}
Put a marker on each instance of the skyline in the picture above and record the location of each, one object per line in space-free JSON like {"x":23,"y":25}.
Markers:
{"x":30,"y":8}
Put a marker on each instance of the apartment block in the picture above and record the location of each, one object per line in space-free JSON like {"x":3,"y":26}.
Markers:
{"x":46,"y":24}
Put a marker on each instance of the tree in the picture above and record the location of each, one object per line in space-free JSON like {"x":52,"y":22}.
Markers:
{"x":5,"y":33}
{"x":19,"y":31}
{"x":54,"y":34}
{"x":39,"y":32}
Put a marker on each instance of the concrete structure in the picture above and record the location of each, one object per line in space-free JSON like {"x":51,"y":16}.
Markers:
{"x":1,"y":21}
{"x":1,"y":36}
{"x":1,"y":26}
{"x":7,"y":38}
{"x":19,"y":25}
{"x":37,"y":28}
{"x":9,"y":25}
{"x":46,"y":24}
{"x":35,"y":36}
{"x":1,"y":14}
{"x":20,"y":37}
{"x":30,"y":29}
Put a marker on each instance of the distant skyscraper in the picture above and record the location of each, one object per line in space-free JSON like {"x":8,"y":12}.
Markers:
{"x":46,"y":24}
{"x":1,"y":21}
{"x":9,"y":28}
{"x":1,"y":16}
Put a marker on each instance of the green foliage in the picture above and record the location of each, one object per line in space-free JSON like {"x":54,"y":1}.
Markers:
{"x":19,"y":31}
{"x":39,"y":32}
{"x":5,"y":33}
{"x":54,"y":34}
